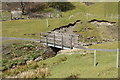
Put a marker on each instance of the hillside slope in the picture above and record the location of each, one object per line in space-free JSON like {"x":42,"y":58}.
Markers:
{"x":99,"y":11}
{"x":69,"y":64}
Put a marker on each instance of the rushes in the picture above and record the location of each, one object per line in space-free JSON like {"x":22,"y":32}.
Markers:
{"x":38,"y":73}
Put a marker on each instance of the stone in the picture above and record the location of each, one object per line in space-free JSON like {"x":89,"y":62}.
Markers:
{"x":38,"y":59}
{"x":29,"y":61}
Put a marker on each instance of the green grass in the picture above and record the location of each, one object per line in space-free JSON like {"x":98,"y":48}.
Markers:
{"x":20,"y":27}
{"x":77,"y":64}
{"x":105,"y":10}
{"x":63,"y":66}
{"x":100,"y":10}
{"x":83,"y":66}
{"x":108,"y":45}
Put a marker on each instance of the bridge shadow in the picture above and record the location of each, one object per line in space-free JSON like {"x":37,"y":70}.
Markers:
{"x":50,"y":52}
{"x":55,"y":49}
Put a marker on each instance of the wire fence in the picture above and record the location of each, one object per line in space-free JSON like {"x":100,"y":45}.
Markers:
{"x":112,"y":55}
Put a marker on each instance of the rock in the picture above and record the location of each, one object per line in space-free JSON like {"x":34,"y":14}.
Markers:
{"x":13,"y":66}
{"x":38,"y":59}
{"x":29,"y":61}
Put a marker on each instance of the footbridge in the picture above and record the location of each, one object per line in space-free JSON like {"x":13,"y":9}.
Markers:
{"x":60,"y":40}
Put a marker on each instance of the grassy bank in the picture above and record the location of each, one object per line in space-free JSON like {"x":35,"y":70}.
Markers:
{"x":108,"y":45}
{"x":75,"y":65}
{"x":79,"y":64}
{"x":19,"y":52}
{"x":82,"y":66}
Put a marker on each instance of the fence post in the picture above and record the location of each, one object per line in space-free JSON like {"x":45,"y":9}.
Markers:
{"x":62,"y":41}
{"x":94,"y":58}
{"x":117,"y":62}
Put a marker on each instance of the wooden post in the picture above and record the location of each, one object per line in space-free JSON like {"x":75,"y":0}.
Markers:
{"x":78,"y":40}
{"x":62,"y":41}
{"x":94,"y":58}
{"x":71,"y":42}
{"x":54,"y":39}
{"x":117,"y":62}
{"x":47,"y":39}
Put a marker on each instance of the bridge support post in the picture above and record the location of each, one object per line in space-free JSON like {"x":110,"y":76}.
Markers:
{"x":62,"y":41}
{"x":54,"y":39}
{"x":71,"y":42}
{"x":47,"y":39}
{"x":78,"y":40}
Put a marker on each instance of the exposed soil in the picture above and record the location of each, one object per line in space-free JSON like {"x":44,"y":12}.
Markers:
{"x":101,"y":22}
{"x":67,"y":26}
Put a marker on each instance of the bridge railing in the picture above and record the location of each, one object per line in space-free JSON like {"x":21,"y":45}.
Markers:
{"x":58,"y":39}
